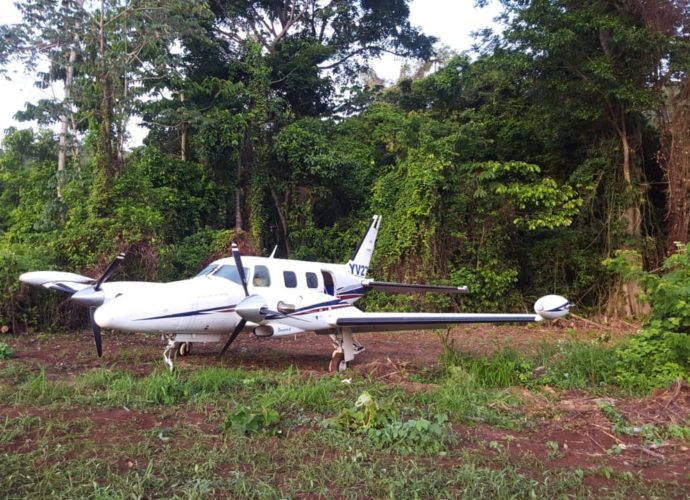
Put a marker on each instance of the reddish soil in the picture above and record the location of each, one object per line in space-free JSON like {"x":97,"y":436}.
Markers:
{"x":568,"y":429}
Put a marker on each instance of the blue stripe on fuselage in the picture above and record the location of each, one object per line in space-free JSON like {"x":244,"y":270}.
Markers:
{"x":222,"y":309}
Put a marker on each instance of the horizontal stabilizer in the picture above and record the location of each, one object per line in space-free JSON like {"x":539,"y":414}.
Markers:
{"x":389,"y":287}
{"x":57,"y":280}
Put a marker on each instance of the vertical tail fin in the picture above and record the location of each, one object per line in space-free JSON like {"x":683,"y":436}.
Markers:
{"x":359,"y":263}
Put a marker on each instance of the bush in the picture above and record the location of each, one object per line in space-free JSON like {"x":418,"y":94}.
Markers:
{"x":660,"y":353}
{"x":5,"y":351}
{"x":385,"y":431}
{"x":243,"y":420}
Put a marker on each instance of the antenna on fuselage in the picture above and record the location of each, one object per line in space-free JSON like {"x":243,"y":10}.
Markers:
{"x":273,"y":253}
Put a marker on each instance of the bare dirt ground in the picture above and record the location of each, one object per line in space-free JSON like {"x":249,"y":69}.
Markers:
{"x":568,"y":429}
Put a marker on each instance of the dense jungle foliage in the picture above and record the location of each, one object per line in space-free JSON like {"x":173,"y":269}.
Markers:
{"x":516,"y":169}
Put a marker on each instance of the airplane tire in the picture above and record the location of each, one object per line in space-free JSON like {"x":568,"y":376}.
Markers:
{"x":338,"y":363}
{"x":184,"y":348}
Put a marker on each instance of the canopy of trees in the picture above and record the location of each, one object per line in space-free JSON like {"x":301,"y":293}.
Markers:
{"x":516,"y":172}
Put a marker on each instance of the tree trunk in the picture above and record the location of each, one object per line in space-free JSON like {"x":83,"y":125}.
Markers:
{"x":238,"y":195}
{"x":64,"y":119}
{"x":281,"y":216}
{"x":67,"y":104}
{"x":675,"y":142}
{"x":184,"y":139}
{"x":624,"y":298}
{"x":105,"y":105}
{"x":244,"y":161}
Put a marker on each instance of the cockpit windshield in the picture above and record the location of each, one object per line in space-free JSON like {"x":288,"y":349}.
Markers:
{"x":230,"y":273}
{"x":207,"y":270}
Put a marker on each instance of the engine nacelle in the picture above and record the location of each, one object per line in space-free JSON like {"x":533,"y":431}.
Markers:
{"x":552,"y":307}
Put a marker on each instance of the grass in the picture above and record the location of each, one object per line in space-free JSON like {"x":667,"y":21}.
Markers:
{"x":305,"y":465}
{"x":170,"y":439}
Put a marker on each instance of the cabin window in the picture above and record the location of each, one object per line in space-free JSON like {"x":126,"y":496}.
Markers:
{"x":328,"y":285}
{"x":230,"y":273}
{"x":261,"y":276}
{"x":208,"y":270}
{"x":290,"y":279}
{"x":312,"y":280}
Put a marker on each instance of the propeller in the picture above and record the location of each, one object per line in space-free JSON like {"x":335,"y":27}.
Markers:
{"x":93,"y":297}
{"x":243,"y":279}
{"x":240,"y":268}
{"x":96,"y":332}
{"x":112,"y":267}
{"x":252,"y":308}
{"x":233,"y":336}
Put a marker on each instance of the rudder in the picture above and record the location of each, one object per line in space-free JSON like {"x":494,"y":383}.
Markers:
{"x":359,"y":263}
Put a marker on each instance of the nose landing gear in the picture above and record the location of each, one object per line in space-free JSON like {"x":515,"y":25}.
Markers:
{"x":174,"y":349}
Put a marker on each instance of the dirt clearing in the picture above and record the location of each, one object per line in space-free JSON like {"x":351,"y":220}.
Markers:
{"x":607,"y":437}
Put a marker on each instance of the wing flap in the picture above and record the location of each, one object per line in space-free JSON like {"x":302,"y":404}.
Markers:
{"x":390,"y":287}
{"x":65,"y":286}
{"x":370,"y":322}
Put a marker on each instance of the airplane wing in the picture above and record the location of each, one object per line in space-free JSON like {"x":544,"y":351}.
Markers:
{"x":375,"y":322}
{"x":57,"y":280}
{"x":386,"y":286}
{"x":549,"y":307}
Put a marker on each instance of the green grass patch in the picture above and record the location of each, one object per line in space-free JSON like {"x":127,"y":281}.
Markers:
{"x":5,"y":351}
{"x":465,"y":398}
{"x":578,"y":365}
{"x":14,"y":372}
{"x":259,"y":437}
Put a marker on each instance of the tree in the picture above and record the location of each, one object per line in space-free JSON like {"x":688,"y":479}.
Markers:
{"x":297,"y":41}
{"x":594,"y":60}
{"x":670,"y":20}
{"x":49,"y":32}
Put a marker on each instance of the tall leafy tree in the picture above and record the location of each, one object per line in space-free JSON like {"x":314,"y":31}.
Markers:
{"x":49,"y":34}
{"x":307,"y":48}
{"x":670,"y":21}
{"x":593,"y":60}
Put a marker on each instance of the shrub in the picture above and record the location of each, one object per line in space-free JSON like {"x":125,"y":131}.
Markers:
{"x":5,"y":351}
{"x":385,"y":431}
{"x":243,"y":420}
{"x":660,"y":353}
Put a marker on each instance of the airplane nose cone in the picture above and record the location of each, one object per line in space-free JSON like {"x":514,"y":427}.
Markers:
{"x":89,"y":297}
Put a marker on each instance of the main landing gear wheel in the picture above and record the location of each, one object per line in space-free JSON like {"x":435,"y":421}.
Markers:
{"x":338,"y":363}
{"x":184,"y":348}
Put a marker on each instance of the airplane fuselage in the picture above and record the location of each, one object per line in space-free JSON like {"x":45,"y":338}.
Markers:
{"x":206,"y":303}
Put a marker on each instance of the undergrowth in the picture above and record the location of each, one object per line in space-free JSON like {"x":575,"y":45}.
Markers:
{"x":385,"y":430}
{"x":5,"y":351}
{"x":660,"y":353}
{"x":240,"y":432}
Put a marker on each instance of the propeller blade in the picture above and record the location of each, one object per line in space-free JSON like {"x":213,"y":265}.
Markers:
{"x":96,"y":332}
{"x":240,"y":269}
{"x":233,"y":336}
{"x":109,"y":271}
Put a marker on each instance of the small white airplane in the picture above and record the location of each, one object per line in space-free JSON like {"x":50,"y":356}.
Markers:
{"x":266,"y":296}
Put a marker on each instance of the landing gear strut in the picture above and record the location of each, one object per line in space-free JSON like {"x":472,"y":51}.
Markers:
{"x":169,"y":349}
{"x":346,"y":347}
